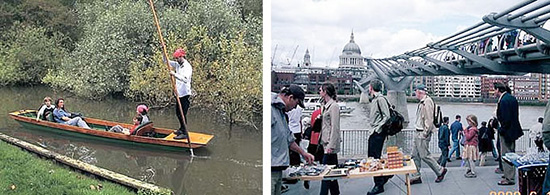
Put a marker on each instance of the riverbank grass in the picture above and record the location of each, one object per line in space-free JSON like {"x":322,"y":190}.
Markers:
{"x":23,"y":173}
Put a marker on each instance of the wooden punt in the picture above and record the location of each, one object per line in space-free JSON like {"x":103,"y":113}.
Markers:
{"x":163,"y":137}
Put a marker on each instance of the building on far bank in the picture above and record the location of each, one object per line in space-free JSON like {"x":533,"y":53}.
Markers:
{"x":487,"y":87}
{"x":525,"y":87}
{"x":310,"y":78}
{"x":457,"y":86}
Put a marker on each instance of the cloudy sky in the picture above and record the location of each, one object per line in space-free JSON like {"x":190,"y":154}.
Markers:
{"x":381,"y":28}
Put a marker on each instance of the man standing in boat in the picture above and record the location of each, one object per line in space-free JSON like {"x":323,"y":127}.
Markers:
{"x":281,"y":137}
{"x":182,"y":71}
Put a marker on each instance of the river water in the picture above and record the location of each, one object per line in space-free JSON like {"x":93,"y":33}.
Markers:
{"x":230,"y":164}
{"x":358,"y":119}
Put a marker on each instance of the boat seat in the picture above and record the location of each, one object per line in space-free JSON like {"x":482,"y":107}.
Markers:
{"x":143,"y":129}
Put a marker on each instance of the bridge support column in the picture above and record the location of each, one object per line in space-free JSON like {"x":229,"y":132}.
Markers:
{"x":399,"y":99}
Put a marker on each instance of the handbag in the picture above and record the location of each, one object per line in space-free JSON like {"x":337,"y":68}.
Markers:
{"x":485,"y":135}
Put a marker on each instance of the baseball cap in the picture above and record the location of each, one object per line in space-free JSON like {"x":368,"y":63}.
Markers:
{"x":420,"y":87}
{"x":298,"y":93}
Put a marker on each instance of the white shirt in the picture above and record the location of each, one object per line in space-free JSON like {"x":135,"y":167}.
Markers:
{"x":294,"y":120}
{"x":535,"y":131}
{"x":41,"y":111}
{"x":183,"y":77}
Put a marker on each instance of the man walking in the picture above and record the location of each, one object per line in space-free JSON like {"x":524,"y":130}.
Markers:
{"x":424,"y":128}
{"x":444,"y":144}
{"x":456,"y":129}
{"x":510,"y":128}
{"x":535,"y":134}
{"x":380,"y":114}
{"x":281,"y":137}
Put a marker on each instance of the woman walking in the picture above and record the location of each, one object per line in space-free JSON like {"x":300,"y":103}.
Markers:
{"x":471,"y":151}
{"x":330,"y":134}
{"x":485,"y":142}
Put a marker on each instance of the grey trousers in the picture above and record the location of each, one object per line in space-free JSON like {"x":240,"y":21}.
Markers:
{"x":421,"y":152}
{"x":77,"y":121}
{"x":276,"y":182}
{"x":505,"y":147}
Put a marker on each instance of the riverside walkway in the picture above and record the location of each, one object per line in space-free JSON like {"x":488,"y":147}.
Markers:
{"x":454,"y":184}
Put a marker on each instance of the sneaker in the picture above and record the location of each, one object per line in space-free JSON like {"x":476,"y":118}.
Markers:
{"x":459,"y":158}
{"x":376,"y":190}
{"x":448,"y":160}
{"x":442,"y":176}
{"x":284,"y":188}
{"x":505,"y":182}
{"x":470,"y":175}
{"x":181,"y":136}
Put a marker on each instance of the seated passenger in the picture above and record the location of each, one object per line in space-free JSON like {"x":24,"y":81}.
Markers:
{"x":142,"y":110}
{"x":62,"y":116}
{"x":119,"y":129}
{"x":45,"y":110}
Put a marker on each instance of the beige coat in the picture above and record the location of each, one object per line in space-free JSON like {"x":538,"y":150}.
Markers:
{"x":330,"y":130}
{"x":425,"y":116}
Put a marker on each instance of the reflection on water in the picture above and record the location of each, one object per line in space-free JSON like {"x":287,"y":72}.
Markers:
{"x":231,"y":164}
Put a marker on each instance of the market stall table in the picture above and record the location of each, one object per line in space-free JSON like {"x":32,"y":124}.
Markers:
{"x":355,"y":173}
{"x":531,"y":171}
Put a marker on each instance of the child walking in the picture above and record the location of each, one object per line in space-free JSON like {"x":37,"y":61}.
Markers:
{"x":471,"y":151}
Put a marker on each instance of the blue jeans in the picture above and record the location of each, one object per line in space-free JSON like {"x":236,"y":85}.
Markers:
{"x":456,"y":147}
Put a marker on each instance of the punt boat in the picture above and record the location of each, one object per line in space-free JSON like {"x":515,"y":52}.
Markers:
{"x":146,"y":134}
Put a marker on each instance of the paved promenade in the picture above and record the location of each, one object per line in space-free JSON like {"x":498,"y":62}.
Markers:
{"x":454,"y":183}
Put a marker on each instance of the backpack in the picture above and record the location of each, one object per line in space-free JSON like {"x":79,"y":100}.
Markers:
{"x":393,"y":125}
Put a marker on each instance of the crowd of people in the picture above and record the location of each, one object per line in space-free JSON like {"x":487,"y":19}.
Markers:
{"x":322,"y":132}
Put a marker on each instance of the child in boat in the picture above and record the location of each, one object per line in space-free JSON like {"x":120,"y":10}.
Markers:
{"x":119,"y":129}
{"x":46,"y":109}
{"x":142,"y":110}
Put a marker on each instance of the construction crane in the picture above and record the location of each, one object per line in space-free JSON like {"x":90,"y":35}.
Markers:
{"x":293,"y":54}
{"x":274,"y":52}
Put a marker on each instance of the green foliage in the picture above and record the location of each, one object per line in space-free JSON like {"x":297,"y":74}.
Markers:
{"x":114,"y":49}
{"x":113,"y":36}
{"x":150,"y":84}
{"x":30,"y":175}
{"x":224,"y":51}
{"x":55,"y":16}
{"x":28,"y":54}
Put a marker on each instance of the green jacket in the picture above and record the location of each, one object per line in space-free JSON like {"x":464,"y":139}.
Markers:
{"x":379,"y":112}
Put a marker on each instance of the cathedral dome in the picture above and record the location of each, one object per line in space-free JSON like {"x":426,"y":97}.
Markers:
{"x":351,"y":47}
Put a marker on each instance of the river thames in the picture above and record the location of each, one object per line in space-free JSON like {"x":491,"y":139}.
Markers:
{"x":358,"y":119}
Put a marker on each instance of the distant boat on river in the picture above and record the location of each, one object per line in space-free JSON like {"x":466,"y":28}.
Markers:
{"x":312,"y":103}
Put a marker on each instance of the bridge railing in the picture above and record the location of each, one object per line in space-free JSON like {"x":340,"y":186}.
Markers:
{"x":354,"y":143}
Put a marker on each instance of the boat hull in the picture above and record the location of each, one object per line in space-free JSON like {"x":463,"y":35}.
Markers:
{"x":99,"y":127}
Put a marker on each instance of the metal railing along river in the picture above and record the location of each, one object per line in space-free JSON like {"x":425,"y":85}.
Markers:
{"x":355,"y":142}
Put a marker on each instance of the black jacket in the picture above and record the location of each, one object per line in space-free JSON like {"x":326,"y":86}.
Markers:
{"x":508,"y":116}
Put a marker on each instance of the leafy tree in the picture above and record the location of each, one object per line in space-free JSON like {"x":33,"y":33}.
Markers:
{"x":28,"y":54}
{"x":113,"y":36}
{"x":55,"y":16}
